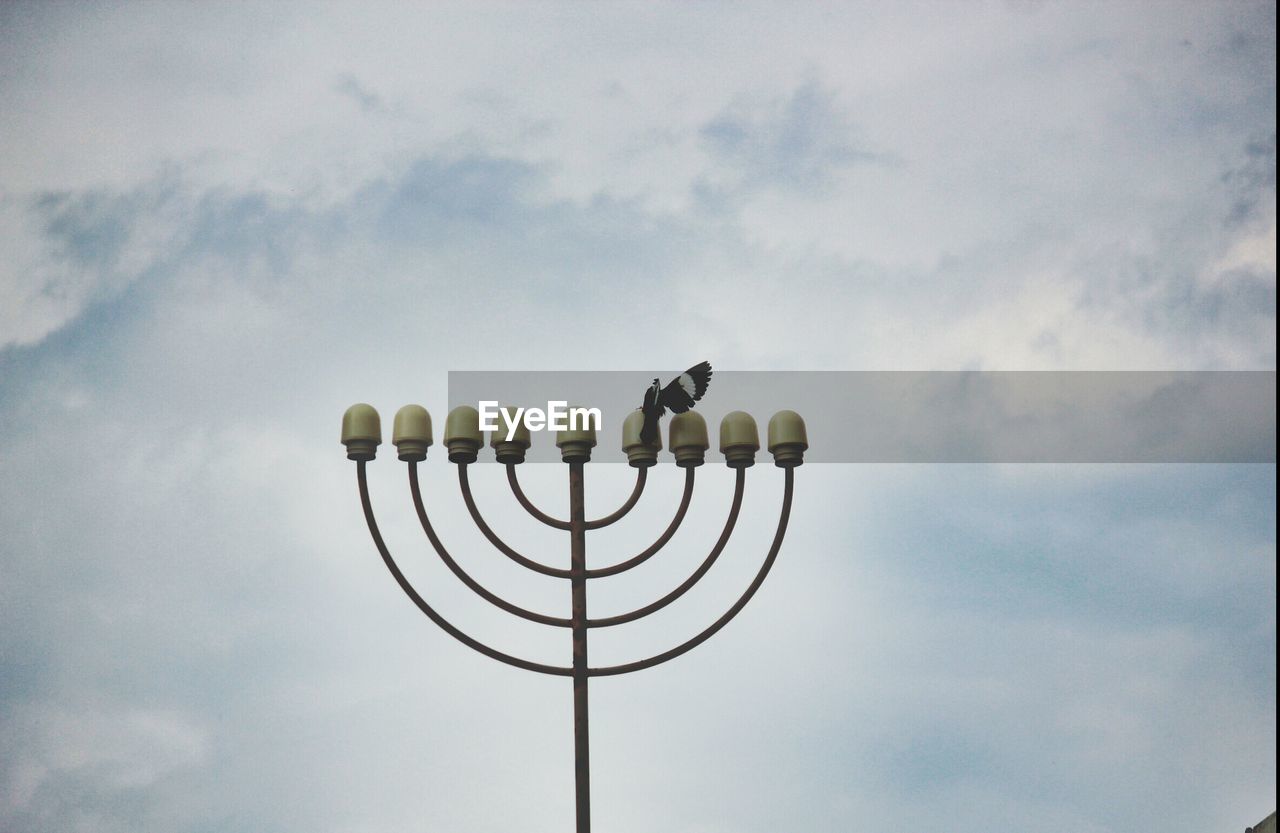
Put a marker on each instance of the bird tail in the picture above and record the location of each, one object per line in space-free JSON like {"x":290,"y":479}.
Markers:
{"x":649,"y":430}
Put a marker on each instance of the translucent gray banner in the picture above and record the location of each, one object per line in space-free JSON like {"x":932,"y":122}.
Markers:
{"x":937,"y":416}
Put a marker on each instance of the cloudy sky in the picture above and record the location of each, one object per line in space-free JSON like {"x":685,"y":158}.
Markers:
{"x":221,"y":224}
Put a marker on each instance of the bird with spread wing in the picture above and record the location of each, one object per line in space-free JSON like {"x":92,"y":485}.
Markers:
{"x":678,"y":396}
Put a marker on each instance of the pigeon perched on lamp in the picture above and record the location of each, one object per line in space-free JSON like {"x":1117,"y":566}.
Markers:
{"x":678,"y":396}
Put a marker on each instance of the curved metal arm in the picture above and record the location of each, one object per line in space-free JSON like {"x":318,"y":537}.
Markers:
{"x":462,"y":575}
{"x":641,"y":477}
{"x":465,"y":483}
{"x":640,"y":613}
{"x":642,"y":557}
{"x":528,"y":504}
{"x":642,"y":474}
{"x":658,"y":659}
{"x":444,"y":624}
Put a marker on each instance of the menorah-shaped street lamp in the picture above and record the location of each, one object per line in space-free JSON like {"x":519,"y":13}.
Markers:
{"x":739,"y":442}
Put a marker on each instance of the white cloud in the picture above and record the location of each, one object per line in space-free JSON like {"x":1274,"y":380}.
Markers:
{"x":127,"y":750}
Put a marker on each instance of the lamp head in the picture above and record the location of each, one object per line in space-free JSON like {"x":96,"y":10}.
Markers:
{"x":462,"y":435}
{"x":361,"y":432}
{"x":788,"y":439}
{"x":739,"y":439}
{"x":510,"y":451}
{"x":411,"y":433}
{"x":575,"y":444}
{"x":639,"y":455}
{"x":688,"y":439}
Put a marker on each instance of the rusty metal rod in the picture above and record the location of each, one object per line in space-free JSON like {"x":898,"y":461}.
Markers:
{"x":421,"y":603}
{"x":640,"y":558}
{"x":640,"y":613}
{"x":578,"y":562}
{"x":528,"y":504}
{"x":642,"y":475}
{"x":462,"y":574}
{"x":689,"y":645}
{"x":465,"y":484}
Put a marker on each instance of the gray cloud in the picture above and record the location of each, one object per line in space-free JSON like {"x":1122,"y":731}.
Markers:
{"x":348,"y":85}
{"x":797,"y":143}
{"x":1252,"y":181}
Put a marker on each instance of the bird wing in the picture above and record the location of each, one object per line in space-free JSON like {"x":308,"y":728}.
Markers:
{"x":687,"y":388}
{"x":653,"y":402}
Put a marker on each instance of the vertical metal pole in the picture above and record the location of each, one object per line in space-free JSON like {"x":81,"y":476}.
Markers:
{"x":578,"y":580}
